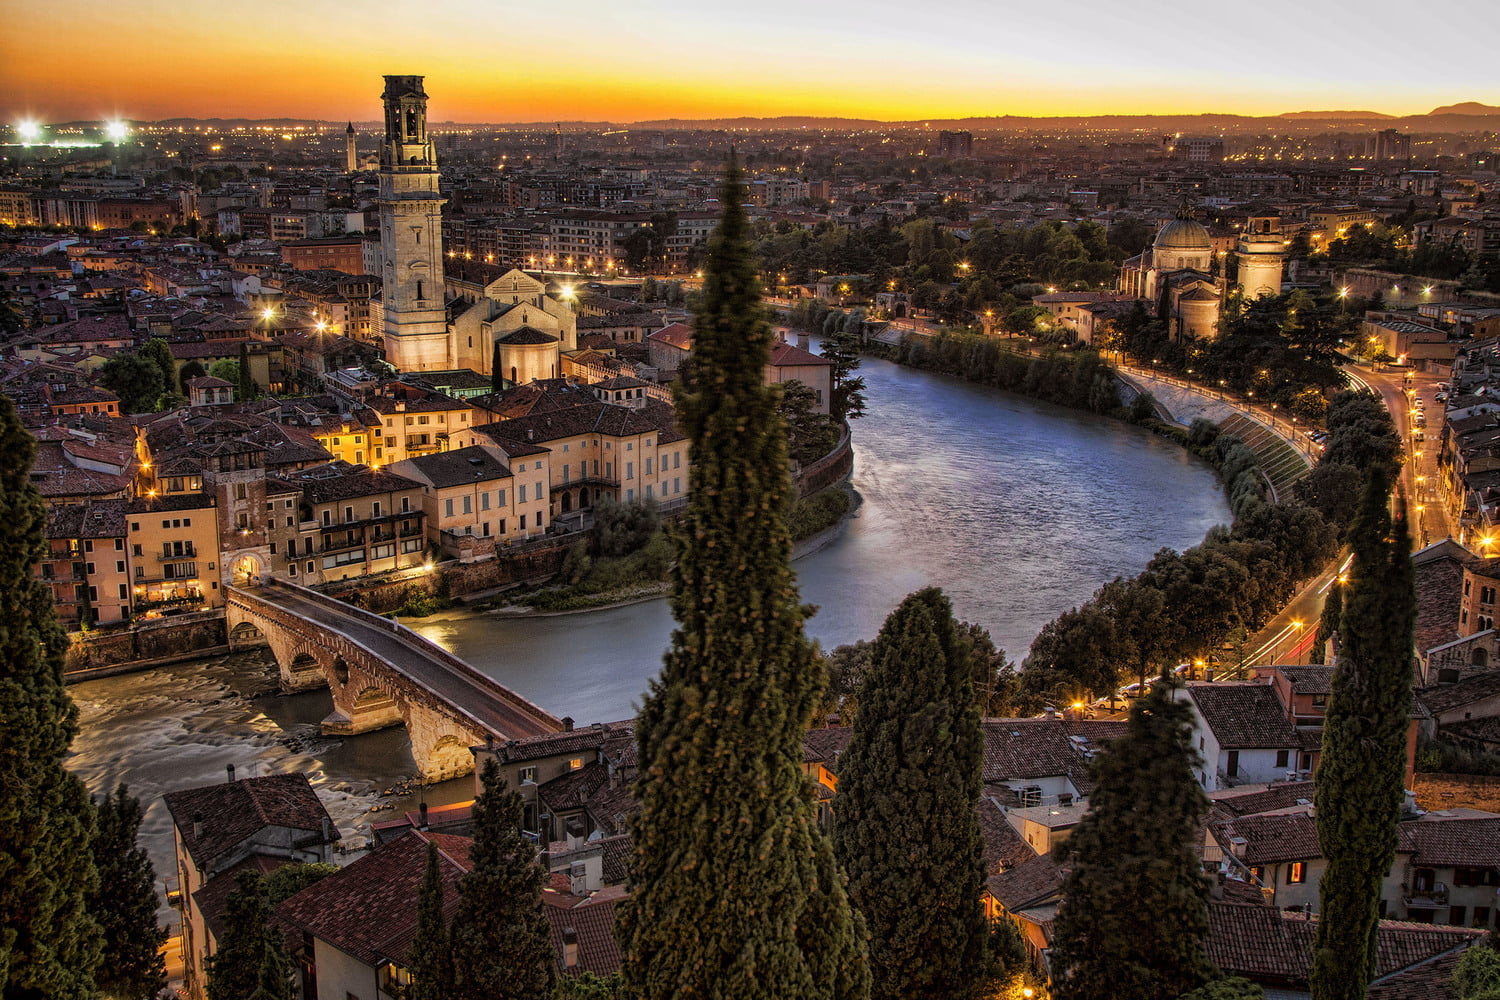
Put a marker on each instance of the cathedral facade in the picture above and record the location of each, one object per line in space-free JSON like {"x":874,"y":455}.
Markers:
{"x":1179,"y":277}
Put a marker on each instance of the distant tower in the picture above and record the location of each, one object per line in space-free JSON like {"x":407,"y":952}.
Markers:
{"x":411,"y":233}
{"x":1260,"y":251}
{"x":557,"y":142}
{"x":351,"y":151}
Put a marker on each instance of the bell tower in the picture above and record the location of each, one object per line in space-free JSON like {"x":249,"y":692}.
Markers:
{"x":1260,"y":251}
{"x":411,"y":234}
{"x":351,"y":151}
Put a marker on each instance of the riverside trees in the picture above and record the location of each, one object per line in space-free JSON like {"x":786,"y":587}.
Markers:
{"x":724,"y":803}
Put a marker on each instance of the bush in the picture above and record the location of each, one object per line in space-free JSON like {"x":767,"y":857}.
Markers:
{"x":818,"y":512}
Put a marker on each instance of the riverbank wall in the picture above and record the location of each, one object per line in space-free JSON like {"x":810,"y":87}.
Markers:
{"x":102,"y":652}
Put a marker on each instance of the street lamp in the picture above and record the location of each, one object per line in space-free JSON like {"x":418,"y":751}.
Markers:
{"x":1296,"y":638}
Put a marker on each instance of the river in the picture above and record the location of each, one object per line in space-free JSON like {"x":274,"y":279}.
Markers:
{"x":1018,"y":509}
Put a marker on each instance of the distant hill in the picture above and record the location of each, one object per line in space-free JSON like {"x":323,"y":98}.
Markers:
{"x":1335,"y":115}
{"x":1466,"y":108}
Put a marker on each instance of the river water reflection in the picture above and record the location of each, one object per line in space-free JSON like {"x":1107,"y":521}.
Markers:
{"x":1018,"y":509}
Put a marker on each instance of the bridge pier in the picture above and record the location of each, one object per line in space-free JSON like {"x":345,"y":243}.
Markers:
{"x":366,"y":712}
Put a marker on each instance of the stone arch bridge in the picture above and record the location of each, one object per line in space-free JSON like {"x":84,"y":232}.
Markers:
{"x":381,"y":674}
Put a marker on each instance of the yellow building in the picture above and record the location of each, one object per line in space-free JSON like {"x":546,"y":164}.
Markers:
{"x":481,"y":496}
{"x":350,"y":522}
{"x":173,"y":543}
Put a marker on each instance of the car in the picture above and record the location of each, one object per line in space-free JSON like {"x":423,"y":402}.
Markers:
{"x":1419,"y":436}
{"x":1440,"y":397}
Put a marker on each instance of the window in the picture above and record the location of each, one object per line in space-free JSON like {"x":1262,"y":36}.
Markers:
{"x":375,"y":509}
{"x":348,"y":514}
{"x":484,"y":503}
{"x":1481,"y":916}
{"x":405,"y":505}
{"x":327,"y":517}
{"x":448,"y":507}
{"x":575,"y":764}
{"x":1296,"y":873}
{"x":521,"y":493}
{"x":629,"y":470}
{"x":1486,"y":595}
{"x":526,"y":774}
{"x":1232,"y":766}
{"x":523,"y":522}
{"x":1283,"y":757}
{"x":468,"y":504}
{"x":1457,"y":915}
{"x":500,"y":502}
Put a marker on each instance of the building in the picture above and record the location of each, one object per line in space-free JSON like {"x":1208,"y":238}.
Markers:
{"x":351,"y":150}
{"x":1178,"y":275}
{"x":174,"y":552}
{"x":1259,"y":252}
{"x":415,"y":326}
{"x":334,"y":253}
{"x":1195,"y":149}
{"x":219,"y":831}
{"x":350,"y":521}
{"x":955,"y":145}
{"x":86,"y":564}
{"x":1391,"y":146}
{"x":477,"y":496}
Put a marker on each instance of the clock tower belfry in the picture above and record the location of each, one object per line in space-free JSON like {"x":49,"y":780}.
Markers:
{"x":411,"y":234}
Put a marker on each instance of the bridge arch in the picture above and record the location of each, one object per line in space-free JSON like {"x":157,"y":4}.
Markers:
{"x":382,"y":674}
{"x":246,"y":635}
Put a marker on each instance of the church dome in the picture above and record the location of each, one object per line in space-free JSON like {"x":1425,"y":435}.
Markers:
{"x":1183,"y":234}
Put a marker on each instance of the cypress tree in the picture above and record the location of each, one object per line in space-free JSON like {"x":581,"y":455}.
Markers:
{"x":735,"y":892}
{"x":125,"y":904}
{"x":906,"y":825}
{"x":49,"y":944}
{"x":1134,"y":914}
{"x":1362,"y":773}
{"x":250,"y":963}
{"x":497,"y":376}
{"x":501,"y":946}
{"x":431,"y":962}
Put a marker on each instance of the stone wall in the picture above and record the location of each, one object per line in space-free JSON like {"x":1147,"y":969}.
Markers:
{"x":832,"y":468}
{"x":199,"y":634}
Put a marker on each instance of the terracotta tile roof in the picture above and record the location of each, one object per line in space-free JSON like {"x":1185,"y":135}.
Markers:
{"x":1004,"y":848}
{"x":616,"y":858}
{"x":1462,"y":837}
{"x":1027,"y":884}
{"x":1430,"y":980}
{"x":453,"y":468}
{"x":1309,"y":679}
{"x":823,"y":746}
{"x":369,"y":909}
{"x":1030,"y":748}
{"x":555,"y":744}
{"x":1446,"y":697}
{"x":1234,"y":802}
{"x":233,"y":811}
{"x":592,"y":921}
{"x":792,"y":356}
{"x":1243,"y":715}
{"x":1439,"y":585}
{"x":574,"y":789}
{"x":1271,"y":838}
{"x":1481,"y":730}
{"x":99,"y":519}
{"x":678,"y":335}
{"x":1272,"y":947}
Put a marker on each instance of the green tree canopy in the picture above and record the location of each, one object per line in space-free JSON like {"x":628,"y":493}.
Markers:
{"x":907,"y":824}
{"x":499,"y":938}
{"x":250,"y":963}
{"x":1134,"y":914}
{"x":49,"y":943}
{"x":137,"y":380}
{"x":124,"y":904}
{"x":724,"y":802}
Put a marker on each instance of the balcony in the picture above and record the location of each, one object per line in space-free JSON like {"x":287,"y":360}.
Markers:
{"x":1425,"y":897}
{"x":189,"y":552}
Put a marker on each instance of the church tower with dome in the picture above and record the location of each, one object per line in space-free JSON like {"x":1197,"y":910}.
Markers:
{"x":1176,"y":276}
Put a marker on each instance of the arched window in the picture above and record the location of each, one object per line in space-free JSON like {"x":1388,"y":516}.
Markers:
{"x":1480,"y":657}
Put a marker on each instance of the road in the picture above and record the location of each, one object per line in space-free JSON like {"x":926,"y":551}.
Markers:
{"x":1419,"y":475}
{"x":494,"y":707}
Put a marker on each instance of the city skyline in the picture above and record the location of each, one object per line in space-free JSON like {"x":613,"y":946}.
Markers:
{"x":665,"y":59}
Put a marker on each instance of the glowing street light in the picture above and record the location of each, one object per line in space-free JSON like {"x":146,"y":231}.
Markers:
{"x":117,"y":131}
{"x":29,"y":131}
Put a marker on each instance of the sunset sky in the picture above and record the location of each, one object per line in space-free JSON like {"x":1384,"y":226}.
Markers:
{"x":501,"y":61}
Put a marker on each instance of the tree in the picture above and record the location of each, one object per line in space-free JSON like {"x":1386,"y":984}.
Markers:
{"x":907,"y":824}
{"x":1232,"y":988}
{"x":842,"y":348}
{"x":500,"y":942}
{"x":1478,"y":974}
{"x":812,"y":435}
{"x":724,"y":802}
{"x":431,"y":962}
{"x":1134,"y":914}
{"x":497,"y":370}
{"x":158,"y":353}
{"x":246,"y":389}
{"x":1361,"y":775}
{"x":49,"y":943}
{"x":288,"y":880}
{"x":250,"y":963}
{"x":135,"y":379}
{"x":227,"y":369}
{"x":124,"y":903}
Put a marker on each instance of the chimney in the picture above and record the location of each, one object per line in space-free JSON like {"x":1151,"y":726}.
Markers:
{"x":327,"y":831}
{"x":1049,"y":712}
{"x":421,"y":815}
{"x":1237,"y":845}
{"x":230,"y":769}
{"x":197,"y":825}
{"x":567,"y":722}
{"x":570,"y":948}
